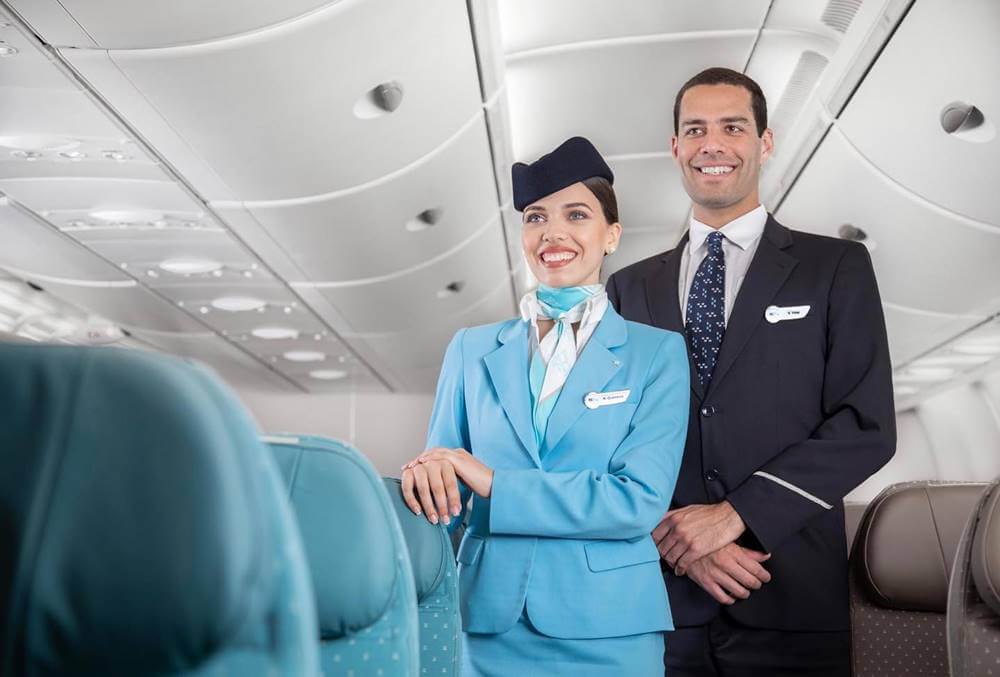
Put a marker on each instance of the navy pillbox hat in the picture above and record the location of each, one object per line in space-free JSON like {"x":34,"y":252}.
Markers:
{"x":574,"y":160}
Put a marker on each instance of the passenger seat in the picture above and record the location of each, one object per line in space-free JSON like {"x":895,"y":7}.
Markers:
{"x":974,"y":598}
{"x":902,"y":557}
{"x":143,"y":529}
{"x":436,"y":576}
{"x":360,"y":565}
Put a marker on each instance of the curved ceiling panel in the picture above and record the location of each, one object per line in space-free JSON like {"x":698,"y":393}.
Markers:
{"x":286,"y":113}
{"x":233,"y":365}
{"x":132,"y":307}
{"x":649,"y":192}
{"x":55,"y":112}
{"x":85,"y":195}
{"x":120,"y":24}
{"x":396,"y":225}
{"x":29,"y":68}
{"x":620,"y":96}
{"x":939,"y":55}
{"x":916,"y":245}
{"x":274,"y":298}
{"x":34,"y":247}
{"x":424,"y":347}
{"x":153,"y":246}
{"x":423,"y":298}
{"x":913,"y":333}
{"x":529,"y":24}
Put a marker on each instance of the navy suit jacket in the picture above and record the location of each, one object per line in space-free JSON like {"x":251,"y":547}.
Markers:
{"x":798,"y":413}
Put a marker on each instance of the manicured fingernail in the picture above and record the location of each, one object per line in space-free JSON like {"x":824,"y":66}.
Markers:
{"x":446,"y":520}
{"x":455,"y":510}
{"x":434,"y":519}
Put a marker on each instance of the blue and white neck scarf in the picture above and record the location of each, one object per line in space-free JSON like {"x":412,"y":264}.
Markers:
{"x":553,"y":357}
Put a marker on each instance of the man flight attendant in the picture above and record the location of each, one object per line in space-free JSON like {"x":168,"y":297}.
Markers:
{"x":791,"y":404}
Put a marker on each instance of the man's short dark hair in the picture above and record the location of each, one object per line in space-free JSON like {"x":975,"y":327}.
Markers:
{"x":726,"y":76}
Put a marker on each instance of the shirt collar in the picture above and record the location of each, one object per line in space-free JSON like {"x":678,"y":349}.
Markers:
{"x":742,"y":231}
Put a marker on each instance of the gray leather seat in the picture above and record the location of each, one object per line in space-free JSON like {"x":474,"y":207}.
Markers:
{"x":974,"y":596}
{"x":902,"y":557}
{"x":143,"y":527}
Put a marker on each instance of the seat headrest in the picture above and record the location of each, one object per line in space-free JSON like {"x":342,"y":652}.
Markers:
{"x":132,"y":512}
{"x":428,"y":544}
{"x":907,"y":542}
{"x":985,"y":556}
{"x":349,"y":530}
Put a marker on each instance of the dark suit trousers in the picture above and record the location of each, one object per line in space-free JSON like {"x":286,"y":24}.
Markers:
{"x":723,"y":648}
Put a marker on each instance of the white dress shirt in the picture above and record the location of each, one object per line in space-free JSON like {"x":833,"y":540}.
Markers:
{"x":740,"y":239}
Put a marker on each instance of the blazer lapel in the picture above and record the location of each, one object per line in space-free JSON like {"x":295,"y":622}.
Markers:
{"x":595,"y":366}
{"x":767,"y":272}
{"x":663,"y":301}
{"x":508,"y":370}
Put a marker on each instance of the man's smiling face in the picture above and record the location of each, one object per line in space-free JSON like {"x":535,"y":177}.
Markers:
{"x":718,"y":149}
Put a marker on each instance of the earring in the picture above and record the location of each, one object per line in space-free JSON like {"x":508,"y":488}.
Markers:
{"x":611,"y":250}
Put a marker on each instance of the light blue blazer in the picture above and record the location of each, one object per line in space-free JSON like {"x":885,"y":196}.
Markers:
{"x":566,"y":533}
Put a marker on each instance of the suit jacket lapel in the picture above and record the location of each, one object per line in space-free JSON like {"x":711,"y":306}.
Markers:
{"x":767,"y":272}
{"x":592,"y":371}
{"x":508,"y":370}
{"x":663,"y":301}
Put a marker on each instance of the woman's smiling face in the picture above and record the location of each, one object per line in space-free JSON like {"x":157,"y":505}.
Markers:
{"x":565,"y":236}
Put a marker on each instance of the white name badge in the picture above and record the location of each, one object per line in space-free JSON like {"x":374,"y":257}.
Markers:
{"x":595,"y":400}
{"x":775,"y":314}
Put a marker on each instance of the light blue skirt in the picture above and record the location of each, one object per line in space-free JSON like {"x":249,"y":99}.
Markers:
{"x":523,"y":651}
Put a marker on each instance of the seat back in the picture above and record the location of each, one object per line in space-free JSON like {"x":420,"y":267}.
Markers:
{"x":143,"y":525}
{"x":903,"y":554}
{"x":360,"y":566}
{"x":435,"y":575}
{"x":974,"y":595}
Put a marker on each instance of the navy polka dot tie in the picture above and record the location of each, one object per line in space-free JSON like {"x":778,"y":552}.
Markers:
{"x":706,"y":310}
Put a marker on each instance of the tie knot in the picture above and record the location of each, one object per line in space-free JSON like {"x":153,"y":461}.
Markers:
{"x":715,"y":242}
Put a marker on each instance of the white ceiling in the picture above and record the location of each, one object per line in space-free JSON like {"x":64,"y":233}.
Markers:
{"x":244,"y":132}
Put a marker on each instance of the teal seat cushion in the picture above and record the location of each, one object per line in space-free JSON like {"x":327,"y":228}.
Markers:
{"x":143,"y":524}
{"x":435,"y":575}
{"x":360,"y":566}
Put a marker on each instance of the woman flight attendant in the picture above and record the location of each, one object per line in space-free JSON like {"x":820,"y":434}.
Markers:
{"x":567,"y":424}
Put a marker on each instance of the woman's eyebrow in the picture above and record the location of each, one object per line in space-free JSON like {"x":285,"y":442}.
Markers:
{"x":577,"y":204}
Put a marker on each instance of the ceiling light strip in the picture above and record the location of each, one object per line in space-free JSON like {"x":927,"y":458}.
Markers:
{"x":60,"y":62}
{"x":948,"y":342}
{"x":932,"y":313}
{"x":95,"y":284}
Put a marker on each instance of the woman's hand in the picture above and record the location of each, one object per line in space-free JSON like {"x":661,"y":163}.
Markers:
{"x":476,"y":475}
{"x":469,"y":469}
{"x":431,"y":487}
